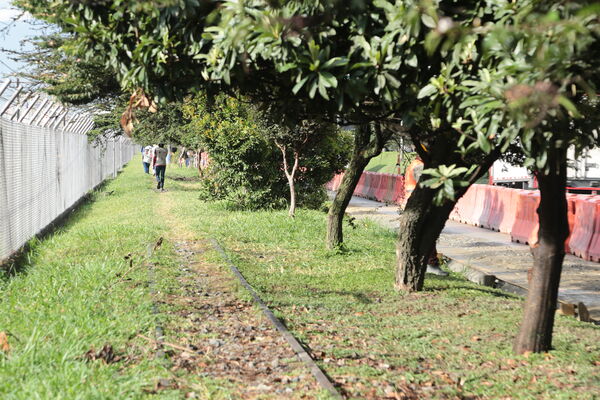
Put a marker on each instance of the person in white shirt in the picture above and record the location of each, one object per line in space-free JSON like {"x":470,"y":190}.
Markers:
{"x":146,"y":158}
{"x":160,"y":165}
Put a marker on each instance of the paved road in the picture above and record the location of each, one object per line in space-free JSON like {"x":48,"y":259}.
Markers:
{"x":494,"y":253}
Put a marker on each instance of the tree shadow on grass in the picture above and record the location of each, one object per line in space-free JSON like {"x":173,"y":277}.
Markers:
{"x":180,"y":178}
{"x":361,"y":297}
{"x":460,"y":285}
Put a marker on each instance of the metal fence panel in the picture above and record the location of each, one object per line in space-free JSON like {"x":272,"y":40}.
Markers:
{"x":43,"y":172}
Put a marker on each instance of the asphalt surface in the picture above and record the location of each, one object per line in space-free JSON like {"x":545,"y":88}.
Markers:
{"x":493,"y":253}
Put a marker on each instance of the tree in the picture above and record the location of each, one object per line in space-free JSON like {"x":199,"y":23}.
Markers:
{"x":296,"y":138}
{"x":166,"y":125}
{"x":357,"y":62}
{"x":550,"y":64}
{"x":245,"y":143}
{"x":369,"y":140}
{"x":445,"y":69}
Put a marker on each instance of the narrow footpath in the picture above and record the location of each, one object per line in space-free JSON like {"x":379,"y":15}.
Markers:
{"x":493,"y":253}
{"x":217,"y":332}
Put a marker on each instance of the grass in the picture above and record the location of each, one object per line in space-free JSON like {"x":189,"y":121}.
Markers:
{"x":68,"y":299}
{"x":384,"y":163}
{"x":452,"y":340}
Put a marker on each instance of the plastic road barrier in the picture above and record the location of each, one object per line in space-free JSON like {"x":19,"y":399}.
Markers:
{"x":583,"y":230}
{"x":594,"y":248}
{"x":512,"y":211}
{"x":498,"y":197}
{"x":526,"y":225}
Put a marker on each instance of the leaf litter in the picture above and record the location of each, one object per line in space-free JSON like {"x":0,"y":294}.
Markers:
{"x":226,"y":338}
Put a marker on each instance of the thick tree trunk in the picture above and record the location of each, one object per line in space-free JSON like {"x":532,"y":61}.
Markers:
{"x":422,"y":222}
{"x":538,"y":320}
{"x":364,"y":150}
{"x":420,"y":226}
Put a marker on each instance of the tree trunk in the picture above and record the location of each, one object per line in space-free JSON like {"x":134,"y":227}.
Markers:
{"x":540,"y":306}
{"x":420,"y":226}
{"x":364,"y":150}
{"x":199,"y":158}
{"x":290,"y":175}
{"x":342,"y":198}
{"x":422,"y":222}
{"x":292,"y":210}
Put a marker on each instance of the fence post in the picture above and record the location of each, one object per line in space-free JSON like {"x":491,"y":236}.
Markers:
{"x":114,"y":158}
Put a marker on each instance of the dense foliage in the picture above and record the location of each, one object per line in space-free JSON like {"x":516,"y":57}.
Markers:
{"x":245,"y":165}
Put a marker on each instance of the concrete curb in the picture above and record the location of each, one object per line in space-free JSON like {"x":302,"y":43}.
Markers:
{"x":472,"y":273}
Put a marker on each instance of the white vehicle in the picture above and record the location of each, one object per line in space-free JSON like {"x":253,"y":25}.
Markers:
{"x":582,"y":172}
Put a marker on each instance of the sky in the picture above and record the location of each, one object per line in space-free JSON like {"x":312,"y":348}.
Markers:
{"x":12,"y":33}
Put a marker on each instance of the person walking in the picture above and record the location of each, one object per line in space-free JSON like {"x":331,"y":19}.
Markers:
{"x":160,"y":165}
{"x":146,"y":158}
{"x":182,"y":157}
{"x":190,"y":158}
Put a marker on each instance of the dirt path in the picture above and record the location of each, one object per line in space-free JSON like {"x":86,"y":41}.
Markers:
{"x":231,"y":345}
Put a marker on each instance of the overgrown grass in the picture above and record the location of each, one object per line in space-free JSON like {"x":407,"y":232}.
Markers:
{"x":385,"y":163}
{"x":69,"y":298}
{"x":453,"y":339}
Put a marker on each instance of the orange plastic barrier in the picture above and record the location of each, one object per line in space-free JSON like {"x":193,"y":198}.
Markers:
{"x":488,"y":199}
{"x":382,"y":186}
{"x":367,"y":184}
{"x":594,"y":248}
{"x":360,"y":186}
{"x":399,"y":193}
{"x":388,"y":194}
{"x":583,"y":229}
{"x":526,"y":225}
{"x":479,"y":204}
{"x":334,"y":183}
{"x":571,"y":216}
{"x":498,"y":197}
{"x":466,"y":210}
{"x":374,"y":184}
{"x":458,"y":208}
{"x":512,"y":211}
{"x":509,"y":209}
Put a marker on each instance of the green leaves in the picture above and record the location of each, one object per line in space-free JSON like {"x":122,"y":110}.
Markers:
{"x":445,"y":179}
{"x":427,"y":91}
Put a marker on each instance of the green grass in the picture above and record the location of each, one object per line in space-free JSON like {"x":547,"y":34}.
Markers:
{"x":58,"y":307}
{"x":384,"y":163}
{"x":453,"y":339}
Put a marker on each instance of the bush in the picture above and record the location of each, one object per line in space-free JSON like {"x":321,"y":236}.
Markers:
{"x":245,"y":170}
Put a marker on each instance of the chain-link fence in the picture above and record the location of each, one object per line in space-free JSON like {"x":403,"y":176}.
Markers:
{"x":44,"y":171}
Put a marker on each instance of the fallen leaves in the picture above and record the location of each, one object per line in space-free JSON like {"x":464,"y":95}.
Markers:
{"x":4,"y":346}
{"x":106,"y":354}
{"x":223,"y":337}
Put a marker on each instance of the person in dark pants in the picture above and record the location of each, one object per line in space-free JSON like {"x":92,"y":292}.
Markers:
{"x":160,"y":166}
{"x":146,"y":154}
